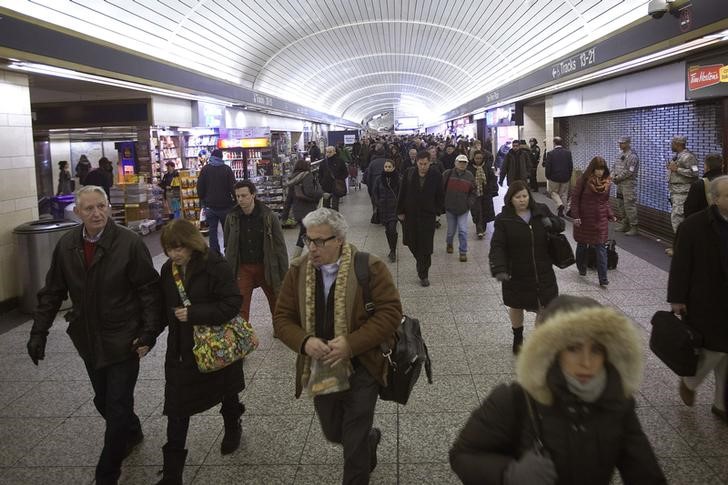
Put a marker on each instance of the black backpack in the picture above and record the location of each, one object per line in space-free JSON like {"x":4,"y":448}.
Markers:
{"x":409,"y":354}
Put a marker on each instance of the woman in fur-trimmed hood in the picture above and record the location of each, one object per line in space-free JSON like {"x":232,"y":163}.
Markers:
{"x":570,"y":416}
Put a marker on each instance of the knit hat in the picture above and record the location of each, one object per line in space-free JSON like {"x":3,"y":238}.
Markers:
{"x":461,"y":158}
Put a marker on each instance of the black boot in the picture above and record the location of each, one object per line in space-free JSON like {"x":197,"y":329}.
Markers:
{"x":392,"y":240}
{"x":517,"y":339}
{"x":233,"y":431}
{"x":375,"y":436}
{"x":174,"y":465}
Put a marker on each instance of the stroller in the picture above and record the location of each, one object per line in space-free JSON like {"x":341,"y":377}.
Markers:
{"x":353,"y":179}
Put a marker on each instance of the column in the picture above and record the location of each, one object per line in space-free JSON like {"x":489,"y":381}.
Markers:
{"x":18,"y":198}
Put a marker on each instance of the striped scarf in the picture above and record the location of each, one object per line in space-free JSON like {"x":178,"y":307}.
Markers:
{"x":341,"y":325}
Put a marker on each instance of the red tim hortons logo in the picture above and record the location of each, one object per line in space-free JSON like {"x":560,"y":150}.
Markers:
{"x":700,"y":77}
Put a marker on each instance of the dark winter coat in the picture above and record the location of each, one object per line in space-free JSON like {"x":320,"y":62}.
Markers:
{"x":275,"y":254}
{"x":520,"y":250}
{"x":311,"y":189}
{"x":386,"y":193}
{"x":374,"y":171}
{"x":115,"y":300}
{"x":490,"y":189}
{"x":594,"y":211}
{"x":101,"y":178}
{"x":213,"y":292}
{"x":420,"y":207}
{"x":696,"y":200}
{"x":699,"y":277}
{"x":559,"y":165}
{"x":448,"y":160}
{"x":332,"y":169}
{"x":215,"y":186}
{"x":315,"y":153}
{"x":585,"y":441}
{"x":517,"y":166}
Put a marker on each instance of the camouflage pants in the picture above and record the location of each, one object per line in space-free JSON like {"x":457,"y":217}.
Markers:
{"x":677,"y":215}
{"x":627,"y":204}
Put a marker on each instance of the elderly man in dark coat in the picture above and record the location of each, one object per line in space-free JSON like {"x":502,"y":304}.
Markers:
{"x":108,"y":273}
{"x":697,"y":289}
{"x":421,"y":200}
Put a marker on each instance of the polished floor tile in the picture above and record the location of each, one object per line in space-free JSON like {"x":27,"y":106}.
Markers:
{"x":51,"y":433}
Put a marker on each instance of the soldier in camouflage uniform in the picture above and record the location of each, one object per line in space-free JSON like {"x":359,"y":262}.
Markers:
{"x":683,"y":172}
{"x":625,"y":176}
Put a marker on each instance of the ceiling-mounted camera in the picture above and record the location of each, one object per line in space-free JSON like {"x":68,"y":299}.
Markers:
{"x":658,"y":8}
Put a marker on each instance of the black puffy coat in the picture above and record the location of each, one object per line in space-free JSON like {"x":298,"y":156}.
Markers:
{"x":215,"y":298}
{"x":585,"y":440}
{"x":386,"y":192}
{"x":699,"y":277}
{"x":115,"y":300}
{"x":520,"y":249}
{"x":608,"y":435}
{"x":420,"y":206}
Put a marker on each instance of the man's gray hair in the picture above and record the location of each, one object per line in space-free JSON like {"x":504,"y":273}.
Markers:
{"x":88,"y":189}
{"x":329,"y":217}
{"x":715,"y":186}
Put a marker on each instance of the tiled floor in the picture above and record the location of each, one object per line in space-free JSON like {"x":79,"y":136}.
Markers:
{"x":50,"y":432}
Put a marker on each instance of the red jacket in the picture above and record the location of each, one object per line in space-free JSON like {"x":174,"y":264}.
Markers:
{"x":594,"y":211}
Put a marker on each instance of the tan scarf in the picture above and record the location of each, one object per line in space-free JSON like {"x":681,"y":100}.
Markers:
{"x":479,"y":180}
{"x":341,"y":325}
{"x":599,"y":185}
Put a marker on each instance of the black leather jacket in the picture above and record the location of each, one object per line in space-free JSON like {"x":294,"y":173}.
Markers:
{"x":115,"y":300}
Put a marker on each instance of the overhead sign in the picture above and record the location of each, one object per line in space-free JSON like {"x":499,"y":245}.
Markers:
{"x":349,"y":139}
{"x":707,"y":77}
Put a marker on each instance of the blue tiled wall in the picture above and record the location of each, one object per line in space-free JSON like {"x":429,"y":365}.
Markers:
{"x":651,"y":130}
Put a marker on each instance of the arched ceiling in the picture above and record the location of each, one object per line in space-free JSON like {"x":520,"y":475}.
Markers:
{"x":346,"y":57}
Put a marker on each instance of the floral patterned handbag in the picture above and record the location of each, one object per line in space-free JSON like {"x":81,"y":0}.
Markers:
{"x":218,"y":346}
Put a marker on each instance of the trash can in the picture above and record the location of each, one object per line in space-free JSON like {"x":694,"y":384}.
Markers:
{"x":36,"y":242}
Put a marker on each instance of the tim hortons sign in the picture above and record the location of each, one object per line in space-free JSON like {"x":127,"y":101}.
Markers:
{"x":700,"y":77}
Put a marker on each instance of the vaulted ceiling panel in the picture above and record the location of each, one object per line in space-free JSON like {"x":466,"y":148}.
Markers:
{"x":347,"y":57}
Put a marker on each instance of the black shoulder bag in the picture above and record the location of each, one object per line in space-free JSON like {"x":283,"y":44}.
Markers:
{"x":406,"y":359}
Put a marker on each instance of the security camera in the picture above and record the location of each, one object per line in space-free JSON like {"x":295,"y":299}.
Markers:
{"x":658,"y":8}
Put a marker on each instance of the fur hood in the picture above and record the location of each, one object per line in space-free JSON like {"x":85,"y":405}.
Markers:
{"x":613,"y":330}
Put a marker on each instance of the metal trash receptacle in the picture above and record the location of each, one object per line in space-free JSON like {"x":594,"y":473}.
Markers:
{"x":36,"y":242}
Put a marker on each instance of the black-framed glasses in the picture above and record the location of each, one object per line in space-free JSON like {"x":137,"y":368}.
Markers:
{"x":319,"y":243}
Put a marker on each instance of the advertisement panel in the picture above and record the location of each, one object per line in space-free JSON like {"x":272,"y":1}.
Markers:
{"x":707,"y":77}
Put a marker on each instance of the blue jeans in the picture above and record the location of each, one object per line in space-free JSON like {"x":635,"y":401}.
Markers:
{"x":601,"y":251}
{"x":215,"y":217}
{"x":461,"y":223}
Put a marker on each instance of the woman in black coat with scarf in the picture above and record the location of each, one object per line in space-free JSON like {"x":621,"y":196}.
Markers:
{"x":486,"y":186}
{"x":386,"y":192}
{"x":519,"y":256}
{"x":215,"y":299}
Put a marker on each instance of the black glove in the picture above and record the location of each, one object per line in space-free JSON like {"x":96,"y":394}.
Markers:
{"x":531,"y":469}
{"x":36,"y":348}
{"x":144,"y":340}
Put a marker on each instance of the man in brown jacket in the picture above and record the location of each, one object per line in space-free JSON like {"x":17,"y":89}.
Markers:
{"x":320,"y":315}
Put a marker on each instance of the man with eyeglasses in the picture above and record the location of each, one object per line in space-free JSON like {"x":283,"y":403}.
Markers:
{"x":108,"y":272}
{"x":320,"y":315}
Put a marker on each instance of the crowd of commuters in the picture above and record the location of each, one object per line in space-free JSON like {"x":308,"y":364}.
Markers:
{"x":578,"y":370}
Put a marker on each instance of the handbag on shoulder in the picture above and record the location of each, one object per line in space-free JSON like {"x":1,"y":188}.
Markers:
{"x":217,"y":346}
{"x":675,"y":343}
